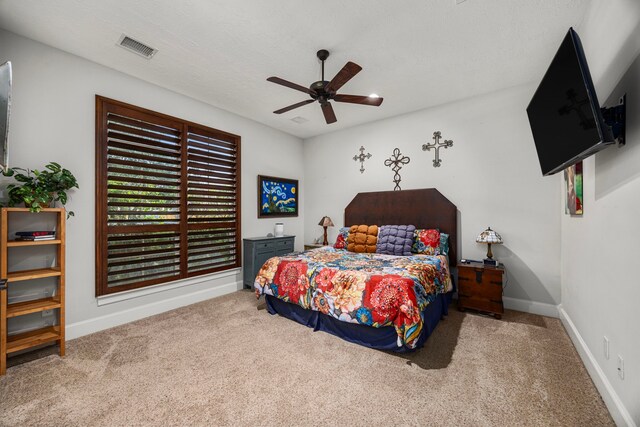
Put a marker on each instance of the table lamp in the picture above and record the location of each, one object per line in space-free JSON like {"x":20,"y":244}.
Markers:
{"x":325,"y":222}
{"x":489,"y":237}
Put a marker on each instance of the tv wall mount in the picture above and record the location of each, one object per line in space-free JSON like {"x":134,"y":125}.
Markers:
{"x":616,"y":117}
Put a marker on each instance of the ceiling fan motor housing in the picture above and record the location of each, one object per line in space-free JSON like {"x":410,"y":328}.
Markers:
{"x":319,"y":88}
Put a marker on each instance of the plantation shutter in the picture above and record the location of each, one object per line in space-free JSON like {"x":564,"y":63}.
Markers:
{"x":167,"y":198}
{"x":212,"y":201}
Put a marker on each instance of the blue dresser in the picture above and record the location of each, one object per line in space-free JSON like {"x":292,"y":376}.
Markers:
{"x":257,"y":250}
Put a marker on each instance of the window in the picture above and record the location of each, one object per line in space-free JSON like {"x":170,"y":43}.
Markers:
{"x":167,"y":198}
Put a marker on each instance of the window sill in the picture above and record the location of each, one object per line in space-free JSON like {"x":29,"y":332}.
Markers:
{"x":135,"y":293}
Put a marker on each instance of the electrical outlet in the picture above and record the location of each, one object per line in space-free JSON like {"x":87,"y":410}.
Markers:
{"x":605,"y":345}
{"x":620,"y":367}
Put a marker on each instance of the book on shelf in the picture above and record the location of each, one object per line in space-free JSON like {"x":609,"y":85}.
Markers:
{"x":35,"y":233}
{"x":36,"y":238}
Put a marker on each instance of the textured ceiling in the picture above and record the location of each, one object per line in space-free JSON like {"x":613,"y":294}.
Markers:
{"x":414,"y":53}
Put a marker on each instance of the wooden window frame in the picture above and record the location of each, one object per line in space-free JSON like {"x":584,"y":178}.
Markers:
{"x":104,"y":106}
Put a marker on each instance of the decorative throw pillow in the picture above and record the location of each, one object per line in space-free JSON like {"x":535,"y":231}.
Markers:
{"x":395,"y":239}
{"x":362,"y":238}
{"x":444,"y":244}
{"x":341,"y":241}
{"x":426,"y":241}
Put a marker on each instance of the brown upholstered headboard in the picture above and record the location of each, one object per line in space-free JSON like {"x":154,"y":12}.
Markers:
{"x":424,"y":208}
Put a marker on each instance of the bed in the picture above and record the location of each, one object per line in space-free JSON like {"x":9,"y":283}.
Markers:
{"x":385,"y":302}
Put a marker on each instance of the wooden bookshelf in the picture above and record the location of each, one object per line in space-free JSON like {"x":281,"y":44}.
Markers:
{"x":50,"y":334}
{"x":33,"y":338}
{"x":38,"y":273}
{"x":27,"y":307}
{"x":14,"y":243}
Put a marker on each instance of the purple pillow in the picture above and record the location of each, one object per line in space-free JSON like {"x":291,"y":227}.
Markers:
{"x":395,"y":239}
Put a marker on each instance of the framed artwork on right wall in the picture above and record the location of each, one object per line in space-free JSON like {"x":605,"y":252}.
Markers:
{"x":573,"y":185}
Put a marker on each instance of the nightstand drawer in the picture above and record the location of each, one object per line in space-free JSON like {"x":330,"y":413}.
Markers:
{"x":481,"y":285}
{"x":480,"y":274}
{"x":481,"y":304}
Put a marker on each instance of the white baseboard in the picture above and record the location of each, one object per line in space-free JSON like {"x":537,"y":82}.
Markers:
{"x":616,"y":408}
{"x":85,"y":327}
{"x":533,"y":307}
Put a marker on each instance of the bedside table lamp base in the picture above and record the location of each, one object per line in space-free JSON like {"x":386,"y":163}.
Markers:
{"x":489,"y":259}
{"x":489,"y":253}
{"x":324,"y":223}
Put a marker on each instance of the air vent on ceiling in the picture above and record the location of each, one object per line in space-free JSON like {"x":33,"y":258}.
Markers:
{"x":136,"y":47}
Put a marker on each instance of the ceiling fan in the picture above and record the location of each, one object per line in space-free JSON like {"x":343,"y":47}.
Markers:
{"x":323,"y":91}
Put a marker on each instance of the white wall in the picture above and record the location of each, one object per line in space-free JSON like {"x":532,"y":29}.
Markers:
{"x":600,"y":289}
{"x":491,"y":173}
{"x":53,"y":119}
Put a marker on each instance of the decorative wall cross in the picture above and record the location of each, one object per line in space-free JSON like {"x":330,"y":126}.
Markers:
{"x":395,"y":162}
{"x":361,"y":157}
{"x":437,"y":145}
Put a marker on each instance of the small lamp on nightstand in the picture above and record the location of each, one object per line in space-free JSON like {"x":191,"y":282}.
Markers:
{"x":325,"y":222}
{"x":489,"y":237}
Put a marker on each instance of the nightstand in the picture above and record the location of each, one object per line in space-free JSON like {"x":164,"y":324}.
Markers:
{"x":310,"y":246}
{"x":480,"y":288}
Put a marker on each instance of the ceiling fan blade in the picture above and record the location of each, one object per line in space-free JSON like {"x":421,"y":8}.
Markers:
{"x":329,"y":115}
{"x":343,"y":76}
{"x":291,"y":107}
{"x":359,"y":99}
{"x":278,"y":80}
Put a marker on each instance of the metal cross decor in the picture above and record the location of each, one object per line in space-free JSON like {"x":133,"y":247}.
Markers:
{"x":395,"y":162}
{"x":361,"y":158}
{"x":437,"y":145}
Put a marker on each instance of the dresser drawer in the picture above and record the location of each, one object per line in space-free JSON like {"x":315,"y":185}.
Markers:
{"x":264,"y":247}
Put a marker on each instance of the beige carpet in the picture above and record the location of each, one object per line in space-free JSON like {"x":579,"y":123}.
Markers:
{"x":222,"y":362}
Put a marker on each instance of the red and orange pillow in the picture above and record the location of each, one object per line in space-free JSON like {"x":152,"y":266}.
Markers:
{"x":426,"y":241}
{"x":341,"y":241}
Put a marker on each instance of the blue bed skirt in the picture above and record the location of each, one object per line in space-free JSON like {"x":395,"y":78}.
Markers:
{"x":379,"y":338}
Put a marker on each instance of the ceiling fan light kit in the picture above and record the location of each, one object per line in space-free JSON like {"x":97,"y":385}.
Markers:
{"x":324,"y":91}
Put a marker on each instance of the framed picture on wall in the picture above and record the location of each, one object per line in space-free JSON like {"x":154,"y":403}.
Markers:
{"x":573,"y":182}
{"x":277,"y":197}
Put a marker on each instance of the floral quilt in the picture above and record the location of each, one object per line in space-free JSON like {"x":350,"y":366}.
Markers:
{"x":371,"y":289}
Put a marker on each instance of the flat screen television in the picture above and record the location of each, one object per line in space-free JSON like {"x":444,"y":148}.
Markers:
{"x":5,"y":110}
{"x":564,"y":113}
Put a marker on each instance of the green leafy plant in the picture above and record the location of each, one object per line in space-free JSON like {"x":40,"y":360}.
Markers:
{"x":40,"y":189}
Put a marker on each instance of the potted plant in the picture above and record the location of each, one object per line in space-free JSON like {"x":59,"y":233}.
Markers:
{"x":40,"y":189}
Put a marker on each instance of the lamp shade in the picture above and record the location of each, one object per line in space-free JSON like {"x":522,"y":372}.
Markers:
{"x":326,"y":222}
{"x":489,"y":236}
